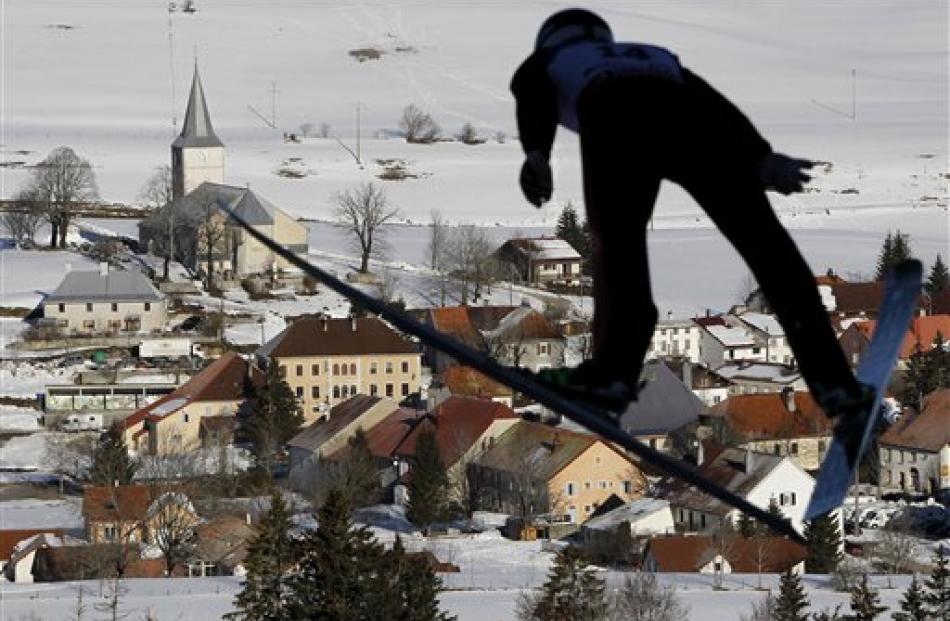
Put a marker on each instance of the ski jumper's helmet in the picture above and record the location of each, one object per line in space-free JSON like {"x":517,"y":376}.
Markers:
{"x":569,"y":25}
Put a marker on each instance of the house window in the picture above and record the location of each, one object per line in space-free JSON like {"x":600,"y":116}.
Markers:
{"x":587,"y":508}
{"x":794,"y":448}
{"x":682,"y":517}
{"x":405,"y":366}
{"x":282,"y":371}
{"x":344,"y":391}
{"x":777,"y":449}
{"x":89,"y":324}
{"x":627,"y":487}
{"x":353,"y":389}
{"x":389,"y":390}
{"x":115,"y":307}
{"x":147,"y":306}
{"x":336,"y":392}
{"x":389,"y":368}
{"x":603,"y":484}
{"x":821,"y":447}
{"x":109,"y":532}
{"x":405,"y":389}
{"x":794,"y":499}
{"x":315,"y":392}
{"x":336,"y":369}
{"x":702,"y":520}
{"x":373,"y":368}
{"x":569,"y":489}
{"x":62,"y":308}
{"x":299,"y":392}
{"x":88,"y":307}
{"x":299,"y":370}
{"x":315,"y":369}
{"x":352,"y":368}
{"x":587,"y":484}
{"x":373,"y":390}
{"x":343,"y":369}
{"x":186,"y":417}
{"x":543,"y":349}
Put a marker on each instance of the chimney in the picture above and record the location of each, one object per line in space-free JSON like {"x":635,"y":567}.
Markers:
{"x":103,"y":268}
{"x":788,"y":395}
{"x":700,"y":454}
{"x":323,"y":323}
{"x":353,"y":324}
{"x":749,"y":461}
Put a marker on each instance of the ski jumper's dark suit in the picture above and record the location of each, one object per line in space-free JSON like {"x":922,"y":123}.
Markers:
{"x":642,"y":117}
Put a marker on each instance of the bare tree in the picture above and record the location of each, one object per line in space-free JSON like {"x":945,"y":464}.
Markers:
{"x":157,"y":195}
{"x":895,"y":549}
{"x":212,"y":235}
{"x":762,"y":610}
{"x":172,"y":521}
{"x":418,"y":126}
{"x":762,"y":552}
{"x":23,"y":220}
{"x":468,"y":135}
{"x":438,"y":238}
{"x":364,"y":210}
{"x":386,"y":286}
{"x":724,"y":542}
{"x":69,"y":455}
{"x":111,"y":603}
{"x":306,"y":128}
{"x":468,"y":258}
{"x":80,"y":608}
{"x":63,"y":179}
{"x":325,"y":130}
{"x":642,"y":598}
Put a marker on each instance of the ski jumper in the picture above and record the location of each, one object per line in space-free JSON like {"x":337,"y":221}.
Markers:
{"x":642,"y":117}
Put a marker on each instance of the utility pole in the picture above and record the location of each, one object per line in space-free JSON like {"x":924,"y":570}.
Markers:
{"x":171,"y":64}
{"x":273,"y":104}
{"x":359,"y":156}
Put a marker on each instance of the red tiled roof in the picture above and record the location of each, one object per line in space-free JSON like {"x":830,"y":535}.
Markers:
{"x":920,"y":335}
{"x":337,"y":337}
{"x":687,"y":553}
{"x":384,"y":437}
{"x":765,"y":416}
{"x":466,"y":381}
{"x":929,"y":430}
{"x":223,"y":380}
{"x":110,"y":504}
{"x":10,"y":537}
{"x":709,"y":321}
{"x":856,"y":297}
{"x":533,"y":325}
{"x":455,"y":321}
{"x":457,"y":422}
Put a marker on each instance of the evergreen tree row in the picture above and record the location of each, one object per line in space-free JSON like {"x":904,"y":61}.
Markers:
{"x":896,"y":248}
{"x":335,"y":572}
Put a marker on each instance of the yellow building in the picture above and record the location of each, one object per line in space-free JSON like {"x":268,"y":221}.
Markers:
{"x":534,"y":469}
{"x":326,"y":361}
{"x":198,"y":413}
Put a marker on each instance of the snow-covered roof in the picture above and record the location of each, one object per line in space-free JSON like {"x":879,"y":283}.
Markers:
{"x":113,"y":286}
{"x":169,"y":406}
{"x":759,"y":371}
{"x":764,"y":323}
{"x":631,"y":512}
{"x":731,"y":336}
{"x":546,"y":248}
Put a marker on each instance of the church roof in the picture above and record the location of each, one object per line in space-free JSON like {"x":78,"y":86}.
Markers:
{"x":197,"y":130}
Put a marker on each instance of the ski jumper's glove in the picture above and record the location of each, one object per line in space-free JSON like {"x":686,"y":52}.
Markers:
{"x":783,"y":174}
{"x":536,"y":181}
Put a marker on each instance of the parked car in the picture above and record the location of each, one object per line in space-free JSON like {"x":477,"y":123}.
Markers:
{"x":83,"y":422}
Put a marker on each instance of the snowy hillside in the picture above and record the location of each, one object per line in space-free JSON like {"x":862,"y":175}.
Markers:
{"x":97,"y":76}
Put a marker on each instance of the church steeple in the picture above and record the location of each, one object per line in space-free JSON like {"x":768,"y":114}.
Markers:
{"x":197,"y":130}
{"x":197,"y":153}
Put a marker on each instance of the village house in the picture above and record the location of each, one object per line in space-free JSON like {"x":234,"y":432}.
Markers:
{"x":221,"y":547}
{"x":769,"y":332}
{"x":533,"y":470}
{"x":709,"y":387}
{"x":676,"y":338}
{"x":663,"y":406}
{"x":333,"y":432}
{"x":106,"y":302}
{"x":542,"y":261}
{"x":759,"y":478}
{"x":787,"y":423}
{"x":326,"y":361}
{"x":464,"y":428}
{"x":915,"y":451}
{"x":643,"y":517}
{"x":17,"y":548}
{"x":723,"y":555}
{"x":197,"y":227}
{"x":513,"y":335}
{"x":721,"y":343}
{"x":462,"y":381}
{"x":199,"y":413}
{"x":921,"y":334}
{"x":760,"y":377}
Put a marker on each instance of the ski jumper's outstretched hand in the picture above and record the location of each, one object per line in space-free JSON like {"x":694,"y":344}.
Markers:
{"x":536,"y":182}
{"x":783,"y":174}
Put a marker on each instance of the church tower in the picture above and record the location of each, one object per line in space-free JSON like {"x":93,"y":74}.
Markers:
{"x":197,"y":154}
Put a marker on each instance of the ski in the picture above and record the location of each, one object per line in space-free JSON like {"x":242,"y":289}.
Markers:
{"x":852,"y":437}
{"x":592,"y":418}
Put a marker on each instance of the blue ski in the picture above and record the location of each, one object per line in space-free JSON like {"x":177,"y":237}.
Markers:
{"x":852,"y":436}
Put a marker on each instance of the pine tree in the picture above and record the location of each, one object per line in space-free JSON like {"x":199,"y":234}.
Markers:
{"x":570,"y":593}
{"x":824,"y":544}
{"x":774,"y":511}
{"x":939,"y":279}
{"x":569,"y":229}
{"x":428,"y":483}
{"x":896,"y":248}
{"x":865,"y":602}
{"x":274,"y":418}
{"x":416,"y":588}
{"x":938,"y":587}
{"x":912,"y":604}
{"x":111,"y":464}
{"x":747,"y":526}
{"x":360,"y":481}
{"x":270,"y":556}
{"x":342,"y":574}
{"x":791,"y":603}
{"x":926,"y":371}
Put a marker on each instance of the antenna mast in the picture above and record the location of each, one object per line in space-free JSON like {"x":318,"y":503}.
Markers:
{"x":171,"y":64}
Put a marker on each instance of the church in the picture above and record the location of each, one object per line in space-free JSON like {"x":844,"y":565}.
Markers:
{"x":194,"y":230}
